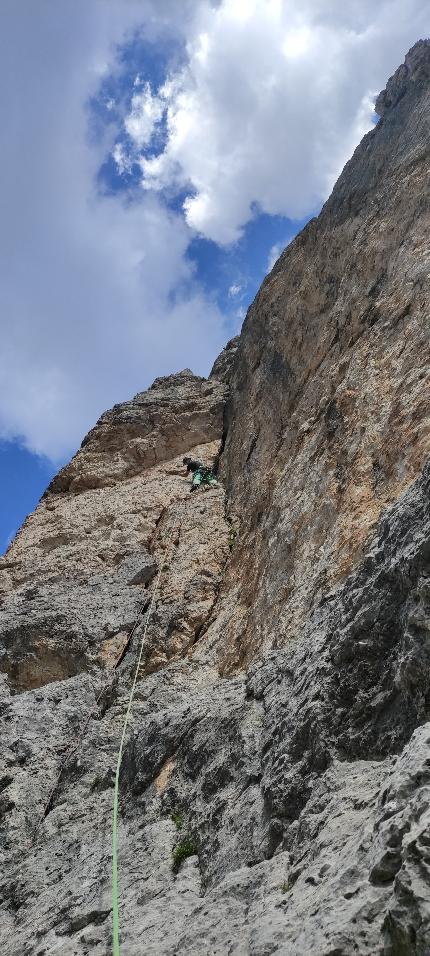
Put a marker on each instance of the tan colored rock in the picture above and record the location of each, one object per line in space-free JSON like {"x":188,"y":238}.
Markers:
{"x":175,"y":415}
{"x":79,"y":571}
{"x":328,"y":416}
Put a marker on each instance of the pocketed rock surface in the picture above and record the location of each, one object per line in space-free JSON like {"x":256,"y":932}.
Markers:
{"x":280,"y":734}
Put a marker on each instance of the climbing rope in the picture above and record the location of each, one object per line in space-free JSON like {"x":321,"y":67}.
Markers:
{"x":77,"y":744}
{"x":75,"y":747}
{"x":115,"y":888}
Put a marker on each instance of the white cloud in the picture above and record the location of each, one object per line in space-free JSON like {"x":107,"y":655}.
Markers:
{"x":96,"y":294}
{"x":146,"y":112}
{"x":122,"y":158}
{"x":272,"y":100}
{"x":234,"y":290}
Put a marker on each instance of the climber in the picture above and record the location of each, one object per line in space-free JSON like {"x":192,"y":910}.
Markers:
{"x":201,"y":474}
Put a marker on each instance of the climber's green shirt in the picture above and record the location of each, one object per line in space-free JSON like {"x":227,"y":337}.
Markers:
{"x":203,"y":476}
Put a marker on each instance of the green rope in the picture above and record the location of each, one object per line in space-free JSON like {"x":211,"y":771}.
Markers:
{"x":115,"y":889}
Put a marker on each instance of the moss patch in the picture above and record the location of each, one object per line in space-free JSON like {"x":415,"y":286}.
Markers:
{"x":182,"y":851}
{"x":177,"y":820}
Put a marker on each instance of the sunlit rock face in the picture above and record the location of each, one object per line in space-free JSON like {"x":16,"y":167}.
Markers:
{"x":328,"y":416}
{"x":275,"y":786}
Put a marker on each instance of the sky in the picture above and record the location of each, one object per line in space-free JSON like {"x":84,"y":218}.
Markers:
{"x":157,"y":156}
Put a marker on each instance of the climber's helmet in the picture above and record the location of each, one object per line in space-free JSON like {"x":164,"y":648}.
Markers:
{"x":186,"y":460}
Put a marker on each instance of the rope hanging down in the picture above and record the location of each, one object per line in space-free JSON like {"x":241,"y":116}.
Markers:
{"x":115,"y":889}
{"x":75,"y":747}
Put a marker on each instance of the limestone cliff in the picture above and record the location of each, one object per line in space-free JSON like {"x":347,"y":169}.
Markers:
{"x":280,"y":734}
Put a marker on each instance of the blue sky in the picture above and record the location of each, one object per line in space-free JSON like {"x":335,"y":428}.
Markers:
{"x":156,"y":159}
{"x":230,"y":274}
{"x":23,"y":479}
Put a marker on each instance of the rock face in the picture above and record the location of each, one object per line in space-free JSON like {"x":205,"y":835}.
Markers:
{"x":275,"y":786}
{"x":328,"y":421}
{"x":79,"y":569}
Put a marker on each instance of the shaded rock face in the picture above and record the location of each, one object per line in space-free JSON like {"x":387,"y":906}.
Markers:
{"x":280,"y":734}
{"x":223,"y":366}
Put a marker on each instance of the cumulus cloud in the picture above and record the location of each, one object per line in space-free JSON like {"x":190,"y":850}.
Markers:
{"x":270,"y":103}
{"x":97,"y":295}
{"x":145,"y":114}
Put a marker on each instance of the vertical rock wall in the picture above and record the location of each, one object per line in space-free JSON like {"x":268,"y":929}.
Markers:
{"x":328,"y":417}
